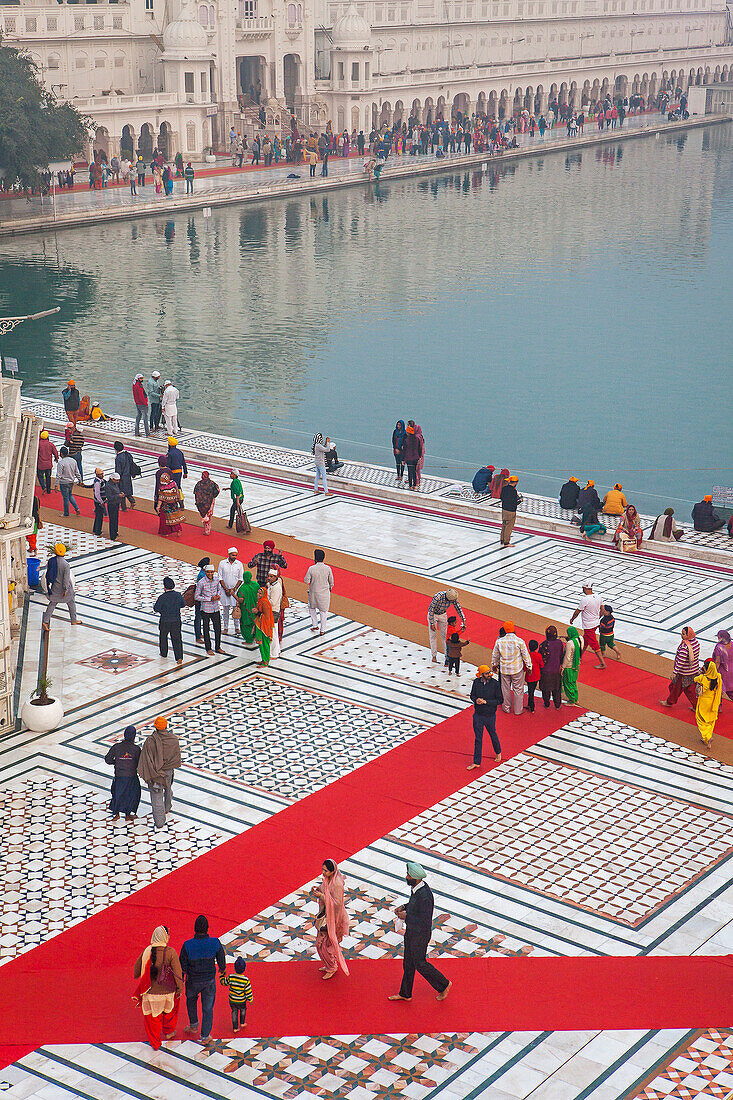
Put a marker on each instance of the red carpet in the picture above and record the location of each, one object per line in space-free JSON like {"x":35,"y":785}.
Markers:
{"x":270,"y":860}
{"x":495,"y":993}
{"x":622,"y":680}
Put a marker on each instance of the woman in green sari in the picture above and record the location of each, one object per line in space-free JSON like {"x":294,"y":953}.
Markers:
{"x":571,"y":665}
{"x":247,"y":600}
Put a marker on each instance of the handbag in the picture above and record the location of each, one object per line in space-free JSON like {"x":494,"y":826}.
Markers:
{"x":284,"y":602}
{"x":242,"y":524}
{"x":189,"y":595}
{"x":236,"y":612}
{"x":166,"y":978}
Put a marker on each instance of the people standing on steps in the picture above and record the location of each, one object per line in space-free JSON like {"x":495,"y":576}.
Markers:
{"x":319,"y":581}
{"x":231,"y":574}
{"x":169,"y":405}
{"x":125,"y":794}
{"x":318,"y":451}
{"x":511,"y":659}
{"x":47,"y":455}
{"x":168,"y":607}
{"x":418,"y":917}
{"x":124,"y":463}
{"x":510,"y":501}
{"x":140,"y":398}
{"x":438,"y":618}
{"x":176,"y":461}
{"x":72,"y":400}
{"x":115,"y":501}
{"x":236,"y":491}
{"x":160,"y":756}
{"x":208,"y":594}
{"x":413,"y":454}
{"x":99,"y":494}
{"x":155,"y":396}
{"x":67,"y":472}
{"x":59,"y":586}
{"x":486,"y":695}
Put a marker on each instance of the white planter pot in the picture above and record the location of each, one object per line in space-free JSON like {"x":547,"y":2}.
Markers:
{"x":42,"y":719}
{"x":210,"y":158}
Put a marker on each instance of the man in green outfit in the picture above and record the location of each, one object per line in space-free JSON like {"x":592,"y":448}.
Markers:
{"x":237,"y":491}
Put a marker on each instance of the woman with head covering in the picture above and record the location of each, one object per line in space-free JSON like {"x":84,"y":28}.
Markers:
{"x":170,"y":506}
{"x":664,"y":528}
{"x":399,"y":438}
{"x":421,"y":460}
{"x":205,"y":493}
{"x":571,"y":665}
{"x":723,"y":657}
{"x":497,"y":482}
{"x":332,"y":921}
{"x":590,"y":524}
{"x":264,"y":625}
{"x":159,"y":989}
{"x":318,"y":451}
{"x":552,"y":652}
{"x":709,"y":695}
{"x":247,"y":595}
{"x":125,"y":785}
{"x":162,"y":468}
{"x":629,"y":533}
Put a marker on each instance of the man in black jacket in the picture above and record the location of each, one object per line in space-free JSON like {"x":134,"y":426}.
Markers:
{"x":168,"y":606}
{"x":199,"y":960}
{"x":485,"y":696}
{"x":418,"y":918}
{"x":510,"y":501}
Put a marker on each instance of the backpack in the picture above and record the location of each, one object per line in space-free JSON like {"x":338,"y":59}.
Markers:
{"x":135,"y":470}
{"x":52,"y":572}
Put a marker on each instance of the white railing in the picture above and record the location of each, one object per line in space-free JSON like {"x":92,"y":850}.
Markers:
{"x":101,"y":102}
{"x":259,"y":23}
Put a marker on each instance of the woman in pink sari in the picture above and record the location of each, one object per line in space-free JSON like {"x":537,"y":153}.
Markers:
{"x":332,"y":921}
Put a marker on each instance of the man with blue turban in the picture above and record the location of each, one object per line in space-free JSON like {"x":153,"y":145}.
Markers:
{"x":418,"y":918}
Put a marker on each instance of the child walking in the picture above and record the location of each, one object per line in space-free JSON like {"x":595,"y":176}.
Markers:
{"x":240,"y":992}
{"x":453,"y":650}
{"x":605,"y":631}
{"x":533,"y":677}
{"x":450,"y":630}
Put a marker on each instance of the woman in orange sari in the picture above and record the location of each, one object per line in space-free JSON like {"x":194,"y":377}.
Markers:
{"x":332,"y":921}
{"x":264,"y":626}
{"x":629,"y":533}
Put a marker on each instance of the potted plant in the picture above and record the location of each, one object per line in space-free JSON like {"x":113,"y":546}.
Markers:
{"x":42,"y":713}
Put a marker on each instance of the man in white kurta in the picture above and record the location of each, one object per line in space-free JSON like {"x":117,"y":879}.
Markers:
{"x":319,"y":580}
{"x":231,"y":573}
{"x":169,"y":405}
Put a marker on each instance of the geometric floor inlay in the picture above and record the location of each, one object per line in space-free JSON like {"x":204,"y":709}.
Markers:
{"x":704,"y":1067}
{"x":114,"y":660}
{"x":604,"y":846}
{"x":283,"y":739}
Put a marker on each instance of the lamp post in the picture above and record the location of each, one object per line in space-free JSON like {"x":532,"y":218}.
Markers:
{"x":512,"y":41}
{"x":582,"y":37}
{"x":7,"y":324}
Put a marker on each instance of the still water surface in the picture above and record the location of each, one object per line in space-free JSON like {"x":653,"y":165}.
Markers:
{"x":566,"y":315}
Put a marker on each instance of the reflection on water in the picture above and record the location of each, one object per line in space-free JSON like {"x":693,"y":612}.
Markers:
{"x":569,"y":314}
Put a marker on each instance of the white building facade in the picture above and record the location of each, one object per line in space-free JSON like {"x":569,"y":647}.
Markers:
{"x":178,"y":74}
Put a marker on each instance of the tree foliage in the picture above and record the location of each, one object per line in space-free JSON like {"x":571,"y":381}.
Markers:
{"x":34,"y":128}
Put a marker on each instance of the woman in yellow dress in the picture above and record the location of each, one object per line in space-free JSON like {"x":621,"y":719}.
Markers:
{"x":710,"y":692}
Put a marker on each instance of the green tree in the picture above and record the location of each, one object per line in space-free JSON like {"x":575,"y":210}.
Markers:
{"x":34,"y":128}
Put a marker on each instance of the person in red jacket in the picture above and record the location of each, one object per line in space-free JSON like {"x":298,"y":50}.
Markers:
{"x":140,"y":398}
{"x":47,"y":455}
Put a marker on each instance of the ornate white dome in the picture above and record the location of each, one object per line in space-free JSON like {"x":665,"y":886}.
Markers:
{"x":185,"y":34}
{"x":351,"y":31}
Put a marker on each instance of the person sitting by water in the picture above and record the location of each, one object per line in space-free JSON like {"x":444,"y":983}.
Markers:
{"x":614,"y":501}
{"x":332,"y":458}
{"x":664,"y":528}
{"x":497,"y":482}
{"x":704,"y":516}
{"x":629,"y":533}
{"x":588,"y":496}
{"x":482,"y":479}
{"x":96,"y":412}
{"x":569,"y":494}
{"x":590,"y":525}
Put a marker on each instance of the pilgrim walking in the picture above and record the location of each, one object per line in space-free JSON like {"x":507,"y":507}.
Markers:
{"x":418,"y":917}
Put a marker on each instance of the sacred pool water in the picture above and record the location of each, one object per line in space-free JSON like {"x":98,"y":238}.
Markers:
{"x":564,"y":315}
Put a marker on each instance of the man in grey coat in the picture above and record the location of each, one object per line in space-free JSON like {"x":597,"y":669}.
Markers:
{"x":62,"y":589}
{"x":155,"y":394}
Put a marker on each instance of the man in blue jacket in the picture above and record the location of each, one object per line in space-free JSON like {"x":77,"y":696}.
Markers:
{"x":199,"y":960}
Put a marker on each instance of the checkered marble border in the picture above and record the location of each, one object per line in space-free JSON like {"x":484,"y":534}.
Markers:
{"x":700,"y":1067}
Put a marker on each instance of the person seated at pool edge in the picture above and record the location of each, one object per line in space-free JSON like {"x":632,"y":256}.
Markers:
{"x":482,"y":479}
{"x":704,"y":516}
{"x":569,"y":494}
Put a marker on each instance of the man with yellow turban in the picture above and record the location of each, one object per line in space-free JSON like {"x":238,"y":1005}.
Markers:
{"x":59,"y":586}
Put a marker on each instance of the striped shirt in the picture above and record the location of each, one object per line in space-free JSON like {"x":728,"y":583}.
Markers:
{"x":511,"y":655}
{"x":683,"y":666}
{"x":240,"y":988}
{"x":440,"y":604}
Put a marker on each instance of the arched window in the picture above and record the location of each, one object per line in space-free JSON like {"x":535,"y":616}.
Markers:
{"x":211,"y":16}
{"x":292,"y":14}
{"x":203,"y":15}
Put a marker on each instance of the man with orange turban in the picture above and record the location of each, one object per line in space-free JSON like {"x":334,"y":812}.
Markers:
{"x":160,"y":756}
{"x":704,"y":516}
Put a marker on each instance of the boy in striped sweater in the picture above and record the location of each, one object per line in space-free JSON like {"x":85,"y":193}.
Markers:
{"x":240,"y":992}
